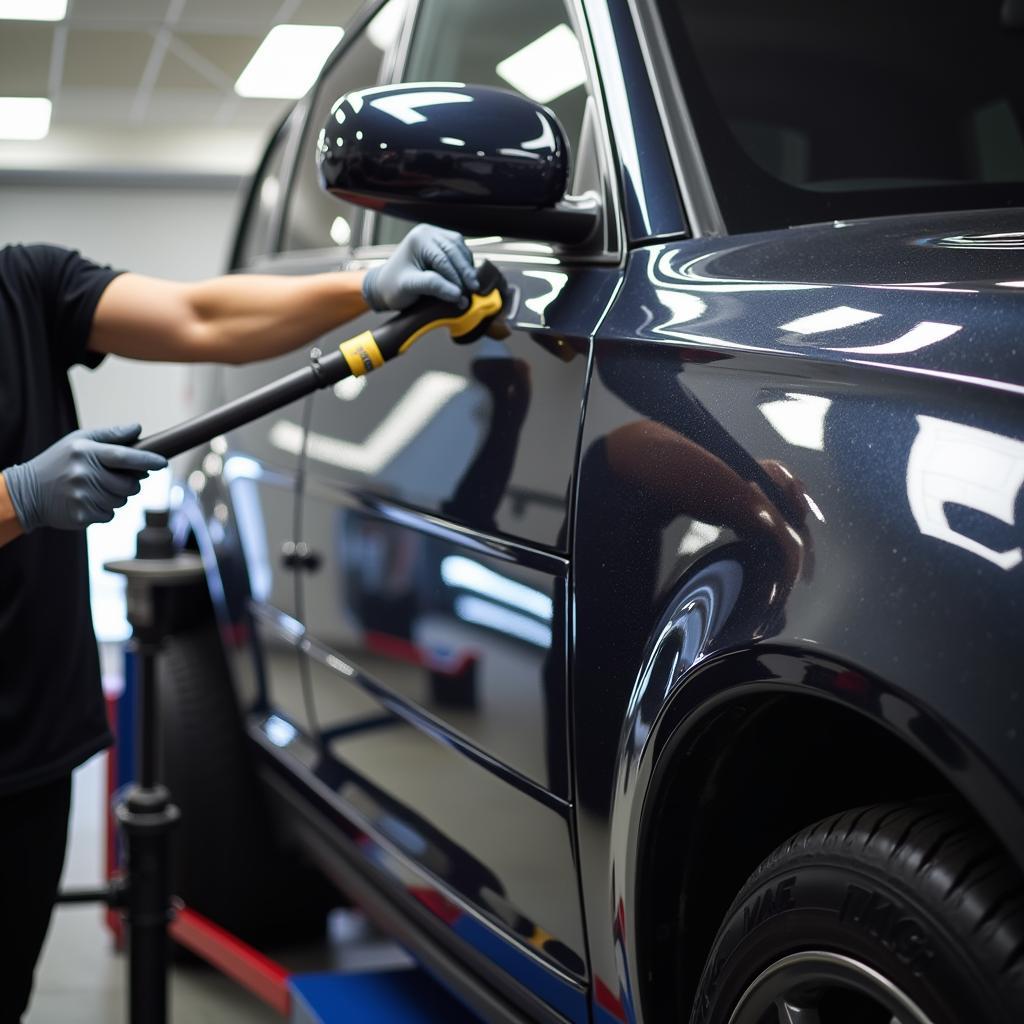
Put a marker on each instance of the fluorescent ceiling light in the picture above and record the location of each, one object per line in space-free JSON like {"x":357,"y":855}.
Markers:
{"x":288,"y":61}
{"x":24,"y":117}
{"x":33,"y":10}
{"x":547,"y":68}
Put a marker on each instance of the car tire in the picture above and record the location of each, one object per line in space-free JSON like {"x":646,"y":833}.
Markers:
{"x":900,"y":913}
{"x":227,"y":860}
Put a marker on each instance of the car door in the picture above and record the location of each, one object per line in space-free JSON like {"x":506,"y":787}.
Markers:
{"x":437,"y":498}
{"x":262,"y":461}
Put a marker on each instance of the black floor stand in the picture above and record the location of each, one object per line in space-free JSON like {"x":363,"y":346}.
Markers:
{"x":144,"y":811}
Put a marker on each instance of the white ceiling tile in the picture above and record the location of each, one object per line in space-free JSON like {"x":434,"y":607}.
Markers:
{"x":130,"y":10}
{"x":25,"y":49}
{"x":241,"y":11}
{"x":106,"y":59}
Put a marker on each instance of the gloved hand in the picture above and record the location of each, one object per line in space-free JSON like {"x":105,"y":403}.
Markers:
{"x":79,"y":479}
{"x":429,"y":261}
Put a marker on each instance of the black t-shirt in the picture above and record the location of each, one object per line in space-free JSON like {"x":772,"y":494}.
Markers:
{"x":52,"y":713}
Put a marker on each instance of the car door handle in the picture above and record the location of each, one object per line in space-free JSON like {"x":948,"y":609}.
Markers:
{"x":299,"y":555}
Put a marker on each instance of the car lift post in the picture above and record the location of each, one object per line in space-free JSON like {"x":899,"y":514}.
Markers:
{"x":144,"y":810}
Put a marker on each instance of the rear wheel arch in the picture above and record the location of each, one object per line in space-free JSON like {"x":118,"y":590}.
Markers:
{"x":730,"y":780}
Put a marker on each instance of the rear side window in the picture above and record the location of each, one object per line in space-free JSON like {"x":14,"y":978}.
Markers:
{"x":527,"y":46}
{"x":315,"y":219}
{"x":256,"y":240}
{"x":808,"y":111}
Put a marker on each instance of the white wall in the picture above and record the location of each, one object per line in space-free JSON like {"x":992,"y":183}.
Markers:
{"x":179,"y":233}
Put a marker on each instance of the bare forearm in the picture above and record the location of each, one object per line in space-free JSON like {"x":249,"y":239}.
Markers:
{"x":232,"y":319}
{"x":10,"y":527}
{"x":254,"y":317}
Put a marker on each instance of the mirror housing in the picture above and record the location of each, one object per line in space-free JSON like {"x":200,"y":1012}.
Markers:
{"x":472,"y":158}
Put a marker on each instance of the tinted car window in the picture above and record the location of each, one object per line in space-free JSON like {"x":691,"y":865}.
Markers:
{"x":527,"y":46}
{"x":255,"y":239}
{"x":809,"y":112}
{"x":315,"y":219}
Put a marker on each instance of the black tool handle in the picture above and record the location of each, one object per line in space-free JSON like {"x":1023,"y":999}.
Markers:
{"x":321,"y":373}
{"x":175,"y":440}
{"x":354,"y":357}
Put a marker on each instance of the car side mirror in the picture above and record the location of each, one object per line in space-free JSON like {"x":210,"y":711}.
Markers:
{"x":473,"y":158}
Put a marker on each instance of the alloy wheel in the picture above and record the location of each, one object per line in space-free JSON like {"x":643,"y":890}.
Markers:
{"x":819,"y":987}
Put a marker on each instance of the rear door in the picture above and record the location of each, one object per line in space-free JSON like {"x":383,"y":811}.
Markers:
{"x":437,"y":496}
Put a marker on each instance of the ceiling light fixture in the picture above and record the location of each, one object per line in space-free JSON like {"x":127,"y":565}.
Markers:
{"x":33,"y":10}
{"x":547,"y":68}
{"x":288,"y":61}
{"x":24,"y":117}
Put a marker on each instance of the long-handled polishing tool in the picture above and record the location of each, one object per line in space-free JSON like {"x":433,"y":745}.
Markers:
{"x":354,"y":358}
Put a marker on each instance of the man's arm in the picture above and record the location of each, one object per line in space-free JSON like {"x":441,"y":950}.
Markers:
{"x":223,"y":320}
{"x":10,"y":527}
{"x":246,"y":317}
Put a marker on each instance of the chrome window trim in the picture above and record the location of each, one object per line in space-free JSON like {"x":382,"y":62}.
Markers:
{"x":695,"y":186}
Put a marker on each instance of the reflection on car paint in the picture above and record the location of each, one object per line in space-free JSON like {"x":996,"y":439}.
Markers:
{"x":953,"y":463}
{"x":799,"y":418}
{"x":919,"y":336}
{"x":846,"y":442}
{"x":403,"y":423}
{"x":539,"y":303}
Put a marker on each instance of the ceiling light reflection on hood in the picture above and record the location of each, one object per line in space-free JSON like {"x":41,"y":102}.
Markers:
{"x":547,"y":68}
{"x":919,"y":336}
{"x":829,"y":320}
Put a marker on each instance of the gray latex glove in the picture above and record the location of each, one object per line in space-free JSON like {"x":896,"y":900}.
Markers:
{"x":429,"y":261}
{"x":79,"y":479}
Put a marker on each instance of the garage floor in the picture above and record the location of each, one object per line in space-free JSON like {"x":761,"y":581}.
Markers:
{"x":81,"y":978}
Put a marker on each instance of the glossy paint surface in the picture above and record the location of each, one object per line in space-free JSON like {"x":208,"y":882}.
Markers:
{"x":438,"y":495}
{"x":443,"y":142}
{"x":787,"y":463}
{"x":815,"y":469}
{"x":422,"y":651}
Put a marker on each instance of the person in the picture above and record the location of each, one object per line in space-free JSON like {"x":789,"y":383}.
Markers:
{"x":58,"y":309}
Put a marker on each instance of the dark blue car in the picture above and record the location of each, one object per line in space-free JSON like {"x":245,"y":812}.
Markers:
{"x":664,"y":660}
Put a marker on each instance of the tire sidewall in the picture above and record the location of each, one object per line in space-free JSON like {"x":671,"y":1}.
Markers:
{"x":833,"y":905}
